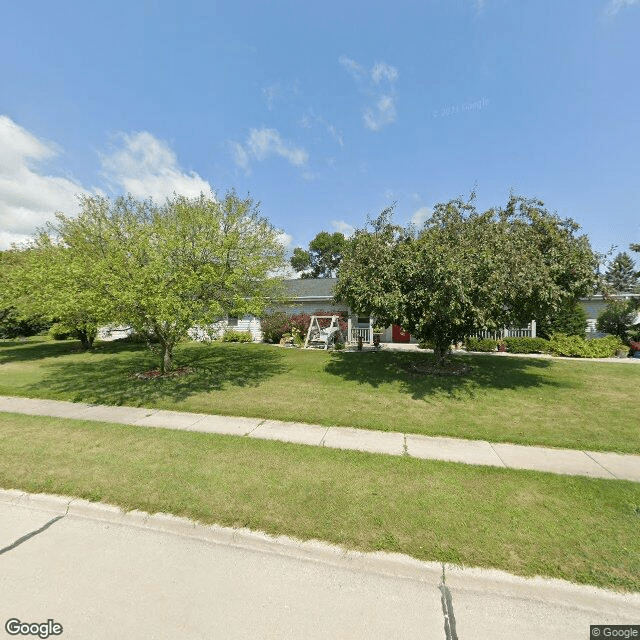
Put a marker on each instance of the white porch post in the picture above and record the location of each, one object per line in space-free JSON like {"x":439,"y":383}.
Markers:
{"x":370,"y":330}
{"x":349,"y":334}
{"x":533,"y":328}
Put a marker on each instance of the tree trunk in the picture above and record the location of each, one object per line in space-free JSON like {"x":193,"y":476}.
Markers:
{"x":440,"y":354}
{"x":167,"y":357}
{"x":86,"y":337}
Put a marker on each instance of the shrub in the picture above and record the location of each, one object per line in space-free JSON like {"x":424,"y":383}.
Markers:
{"x":574,"y":346}
{"x":274,"y":326}
{"x":13,"y":326}
{"x":59,"y":331}
{"x":527,"y":345}
{"x":137,"y":337}
{"x":617,"y":318}
{"x":480,"y":344}
{"x":570,"y":320}
{"x":236,"y":336}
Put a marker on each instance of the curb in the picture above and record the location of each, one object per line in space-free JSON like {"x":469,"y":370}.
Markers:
{"x":380,"y":563}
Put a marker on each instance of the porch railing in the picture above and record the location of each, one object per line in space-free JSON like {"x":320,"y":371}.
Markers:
{"x":360,"y":332}
{"x":506,"y":332}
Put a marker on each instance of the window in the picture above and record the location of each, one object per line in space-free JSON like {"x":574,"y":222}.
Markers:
{"x":363,"y":320}
{"x":232,"y":321}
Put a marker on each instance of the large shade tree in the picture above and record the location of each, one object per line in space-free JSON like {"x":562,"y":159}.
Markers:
{"x":164,"y":269}
{"x":323,"y":257}
{"x":466,"y":270}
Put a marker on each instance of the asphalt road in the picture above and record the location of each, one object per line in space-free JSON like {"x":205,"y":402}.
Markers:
{"x":100,"y":573}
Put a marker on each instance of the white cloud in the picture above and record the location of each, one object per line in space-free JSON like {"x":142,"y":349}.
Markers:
{"x":146,"y":167}
{"x":379,"y":85}
{"x":270,"y":94}
{"x":286,"y":239}
{"x":240,"y":156}
{"x":383,"y":71}
{"x":29,"y":197}
{"x":311,"y":117}
{"x":419,"y":216}
{"x":264,"y":143}
{"x":356,"y":70}
{"x":343,"y":227}
{"x":616,"y":5}
{"x":383,"y":113}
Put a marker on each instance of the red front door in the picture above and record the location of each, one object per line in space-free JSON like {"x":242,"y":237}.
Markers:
{"x":398,"y":334}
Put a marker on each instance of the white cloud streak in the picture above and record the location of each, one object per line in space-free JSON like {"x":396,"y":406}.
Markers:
{"x":29,"y":197}
{"x":146,"y":167}
{"x":421,"y":215}
{"x":615,"y":6}
{"x":311,"y":117}
{"x":265,"y":143}
{"x":379,"y":85}
{"x":343,"y":227}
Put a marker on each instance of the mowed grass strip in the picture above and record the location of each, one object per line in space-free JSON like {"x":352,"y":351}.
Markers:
{"x":558,"y":403}
{"x":578,"y":529}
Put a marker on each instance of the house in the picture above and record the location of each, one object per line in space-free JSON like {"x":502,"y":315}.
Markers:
{"x":596,"y":304}
{"x":310,"y":295}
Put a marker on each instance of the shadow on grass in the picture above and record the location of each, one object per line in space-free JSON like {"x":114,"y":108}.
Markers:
{"x":112,"y":380}
{"x":34,"y":349}
{"x":380,"y":368}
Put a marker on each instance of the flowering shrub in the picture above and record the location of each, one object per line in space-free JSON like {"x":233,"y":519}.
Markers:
{"x":635,"y":346}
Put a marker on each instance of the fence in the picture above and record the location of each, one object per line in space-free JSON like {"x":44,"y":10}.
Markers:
{"x":508,"y":332}
{"x":360,"y":332}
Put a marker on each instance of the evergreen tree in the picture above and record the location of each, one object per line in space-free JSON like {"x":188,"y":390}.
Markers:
{"x":621,"y":274}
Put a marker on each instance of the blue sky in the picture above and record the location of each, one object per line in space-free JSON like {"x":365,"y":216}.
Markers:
{"x":324,"y":113}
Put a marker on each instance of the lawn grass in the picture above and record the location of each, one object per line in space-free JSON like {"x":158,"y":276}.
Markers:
{"x":558,"y":403}
{"x":579,"y":529}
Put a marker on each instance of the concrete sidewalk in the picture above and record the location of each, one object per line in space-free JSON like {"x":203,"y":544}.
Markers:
{"x":101,"y":573}
{"x":562,"y":461}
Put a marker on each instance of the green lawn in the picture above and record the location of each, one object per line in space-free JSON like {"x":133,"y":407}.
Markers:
{"x":578,"y":529}
{"x":560,"y":403}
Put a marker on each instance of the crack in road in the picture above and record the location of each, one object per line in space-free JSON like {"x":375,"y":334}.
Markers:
{"x":30,"y":535}
{"x":447,"y":609}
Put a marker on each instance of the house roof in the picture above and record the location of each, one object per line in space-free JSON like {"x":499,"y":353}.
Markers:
{"x":310,"y":288}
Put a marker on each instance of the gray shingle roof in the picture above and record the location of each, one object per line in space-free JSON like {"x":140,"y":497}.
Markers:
{"x":315,"y":288}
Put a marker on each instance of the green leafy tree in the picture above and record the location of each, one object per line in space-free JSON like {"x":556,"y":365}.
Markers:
{"x":54,"y":283}
{"x":569,"y":319}
{"x":323,"y":258}
{"x":619,"y":318}
{"x":15,"y":319}
{"x":621,"y":274}
{"x":7,"y":299}
{"x":466,"y":270}
{"x":164,"y":269}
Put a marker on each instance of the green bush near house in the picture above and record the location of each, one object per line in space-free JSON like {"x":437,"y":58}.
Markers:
{"x":527,"y":345}
{"x":575,"y":346}
{"x":237,"y":336}
{"x":59,"y":331}
{"x":480,"y":344}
